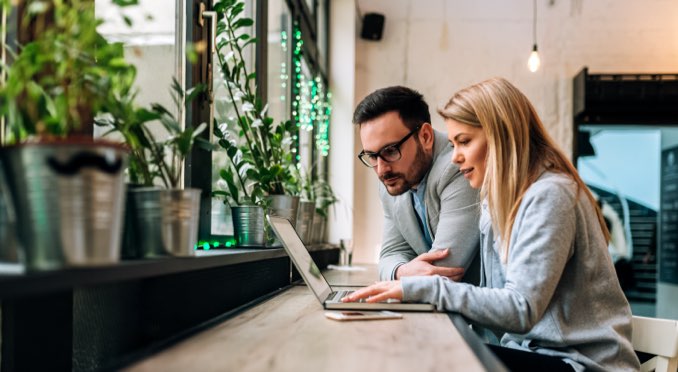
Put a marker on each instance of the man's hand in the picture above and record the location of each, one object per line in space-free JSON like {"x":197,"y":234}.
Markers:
{"x":381,"y":291}
{"x":423,"y":266}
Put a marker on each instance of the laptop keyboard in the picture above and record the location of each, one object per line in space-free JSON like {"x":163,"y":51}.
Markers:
{"x":337,"y":296}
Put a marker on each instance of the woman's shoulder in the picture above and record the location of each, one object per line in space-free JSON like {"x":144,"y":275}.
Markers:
{"x":552,"y":187}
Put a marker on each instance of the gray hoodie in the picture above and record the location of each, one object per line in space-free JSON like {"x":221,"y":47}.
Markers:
{"x":558,"y":295}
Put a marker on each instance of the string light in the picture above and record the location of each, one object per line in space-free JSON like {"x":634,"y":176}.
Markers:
{"x":284,"y":77}
{"x":311,"y":106}
{"x":297,"y":82}
{"x":323,"y":111}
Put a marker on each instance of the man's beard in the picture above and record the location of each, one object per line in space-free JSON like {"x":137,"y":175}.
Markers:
{"x":419,"y":168}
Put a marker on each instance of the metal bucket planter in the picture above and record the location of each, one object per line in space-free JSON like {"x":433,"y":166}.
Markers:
{"x":8,"y":246}
{"x":69,"y":200}
{"x":142,"y":237}
{"x":248,"y":226}
{"x":319,"y":222}
{"x":285,"y":206}
{"x":180,"y":215}
{"x":304,"y":223}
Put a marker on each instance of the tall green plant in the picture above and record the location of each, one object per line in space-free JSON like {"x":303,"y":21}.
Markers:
{"x":260,"y":158}
{"x":152,"y":159}
{"x":324,"y":197}
{"x":60,"y":80}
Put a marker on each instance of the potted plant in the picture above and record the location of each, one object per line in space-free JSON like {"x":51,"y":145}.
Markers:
{"x":142,"y":233}
{"x":164,"y":220}
{"x":260,"y":174}
{"x":306,"y":213}
{"x":324,"y":199}
{"x":67,"y":188}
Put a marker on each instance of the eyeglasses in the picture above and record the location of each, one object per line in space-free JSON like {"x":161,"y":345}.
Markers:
{"x":388,"y":153}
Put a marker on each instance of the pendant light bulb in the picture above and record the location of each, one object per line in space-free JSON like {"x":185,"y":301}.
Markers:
{"x":534,"y":62}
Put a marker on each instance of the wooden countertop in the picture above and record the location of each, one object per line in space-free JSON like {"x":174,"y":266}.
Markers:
{"x":289,"y":332}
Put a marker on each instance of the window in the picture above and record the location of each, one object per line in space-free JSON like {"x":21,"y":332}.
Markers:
{"x":155,"y":39}
{"x":279,"y":57}
{"x":150,"y":45}
{"x":224,"y":114}
{"x":291,"y":78}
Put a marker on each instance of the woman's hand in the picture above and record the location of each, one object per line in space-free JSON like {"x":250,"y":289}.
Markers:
{"x":378,"y":292}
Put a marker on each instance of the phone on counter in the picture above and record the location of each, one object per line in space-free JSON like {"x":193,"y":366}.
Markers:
{"x":362,"y":315}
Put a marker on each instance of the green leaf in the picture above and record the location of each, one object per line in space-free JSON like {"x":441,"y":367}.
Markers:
{"x":118,"y":62}
{"x":128,"y":20}
{"x":193,"y":92}
{"x":224,"y":143}
{"x":191,"y":54}
{"x":243,"y":22}
{"x":124,"y":3}
{"x":225,"y":174}
{"x":205,"y":144}
{"x":236,"y":9}
{"x":199,"y":129}
{"x":248,"y":42}
{"x":233,"y":189}
{"x":241,"y":164}
{"x":220,"y":6}
{"x":231,"y":152}
{"x":252,"y":174}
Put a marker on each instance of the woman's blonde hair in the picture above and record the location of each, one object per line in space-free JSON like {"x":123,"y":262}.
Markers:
{"x":518,"y":149}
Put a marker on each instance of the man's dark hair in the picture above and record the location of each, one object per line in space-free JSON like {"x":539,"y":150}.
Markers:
{"x":408,"y":103}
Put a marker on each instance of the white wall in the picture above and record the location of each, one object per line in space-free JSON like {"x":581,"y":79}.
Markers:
{"x":440,"y":46}
{"x":342,"y":145}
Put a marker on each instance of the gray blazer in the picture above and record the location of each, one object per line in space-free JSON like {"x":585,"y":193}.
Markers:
{"x":452,"y":212}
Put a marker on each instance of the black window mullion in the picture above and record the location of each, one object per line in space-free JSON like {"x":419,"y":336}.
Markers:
{"x":261,"y":57}
{"x":198,"y":165}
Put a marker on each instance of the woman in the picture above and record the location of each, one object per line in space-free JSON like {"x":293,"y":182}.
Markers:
{"x":548,"y":283}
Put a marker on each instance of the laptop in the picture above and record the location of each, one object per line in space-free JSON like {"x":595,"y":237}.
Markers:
{"x":315,"y":281}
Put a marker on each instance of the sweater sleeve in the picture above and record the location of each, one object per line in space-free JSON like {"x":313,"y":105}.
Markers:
{"x":541,"y":244}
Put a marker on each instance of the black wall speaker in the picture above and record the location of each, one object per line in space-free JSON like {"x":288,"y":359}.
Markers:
{"x":373,"y":26}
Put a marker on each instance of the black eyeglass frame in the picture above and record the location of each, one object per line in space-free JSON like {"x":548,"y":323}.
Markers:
{"x":365,"y":155}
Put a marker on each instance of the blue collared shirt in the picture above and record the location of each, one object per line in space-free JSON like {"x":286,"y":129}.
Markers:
{"x":420,"y":208}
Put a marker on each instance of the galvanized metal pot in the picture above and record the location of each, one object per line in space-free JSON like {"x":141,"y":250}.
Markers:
{"x":9,"y":252}
{"x":285,"y":206}
{"x":180,"y":219}
{"x":319,"y":222}
{"x":142,"y":237}
{"x":69,"y":200}
{"x":304,"y":223}
{"x":248,"y":226}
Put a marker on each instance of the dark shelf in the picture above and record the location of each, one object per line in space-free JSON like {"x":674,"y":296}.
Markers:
{"x":31,"y":283}
{"x":15,"y":285}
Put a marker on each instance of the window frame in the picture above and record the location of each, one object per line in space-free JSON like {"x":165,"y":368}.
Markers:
{"x":198,"y":165}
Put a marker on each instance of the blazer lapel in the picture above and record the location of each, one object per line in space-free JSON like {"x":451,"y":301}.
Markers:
{"x":409,"y":224}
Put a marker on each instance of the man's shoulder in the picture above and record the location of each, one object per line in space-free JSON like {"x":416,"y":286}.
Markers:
{"x":442,"y":168}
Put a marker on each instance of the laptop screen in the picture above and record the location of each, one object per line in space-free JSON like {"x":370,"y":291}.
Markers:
{"x":300,"y":257}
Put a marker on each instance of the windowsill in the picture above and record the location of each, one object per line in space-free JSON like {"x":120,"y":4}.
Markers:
{"x":15,"y":284}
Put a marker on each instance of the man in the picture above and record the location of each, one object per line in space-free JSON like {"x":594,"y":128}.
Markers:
{"x":431,"y":213}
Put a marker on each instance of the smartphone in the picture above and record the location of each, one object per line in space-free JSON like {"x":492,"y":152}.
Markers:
{"x":362,"y":315}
